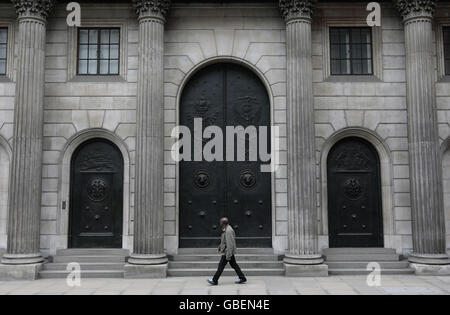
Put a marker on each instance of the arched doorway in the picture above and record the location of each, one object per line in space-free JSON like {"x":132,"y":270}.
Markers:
{"x":225,"y":94}
{"x":96,"y":196}
{"x":354,"y":195}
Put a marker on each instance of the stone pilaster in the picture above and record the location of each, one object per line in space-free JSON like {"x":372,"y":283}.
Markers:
{"x":23,"y":257}
{"x":424,"y":152}
{"x":148,"y":258}
{"x":303,"y":257}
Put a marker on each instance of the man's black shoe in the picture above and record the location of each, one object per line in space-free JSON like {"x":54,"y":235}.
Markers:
{"x":211,"y":282}
{"x":241,"y":281}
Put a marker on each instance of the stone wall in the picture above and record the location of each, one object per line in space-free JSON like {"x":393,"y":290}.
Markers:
{"x":446,"y":182}
{"x":74,"y":105}
{"x":7,"y":92}
{"x":443,"y":109}
{"x":253,"y":35}
{"x":376,"y":105}
{"x":4,"y":176}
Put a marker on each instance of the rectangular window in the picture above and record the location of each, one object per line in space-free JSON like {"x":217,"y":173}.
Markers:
{"x":351,"y":51}
{"x":446,"y":32}
{"x":3,"y":48}
{"x":98,"y":51}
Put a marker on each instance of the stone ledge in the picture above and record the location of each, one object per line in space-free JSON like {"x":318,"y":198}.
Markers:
{"x":306,"y":270}
{"x":145,"y":271}
{"x":19,"y":272}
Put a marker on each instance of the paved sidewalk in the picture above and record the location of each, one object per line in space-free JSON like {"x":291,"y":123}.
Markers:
{"x":257,"y":285}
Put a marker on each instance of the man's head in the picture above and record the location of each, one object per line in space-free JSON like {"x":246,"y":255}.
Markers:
{"x":223,"y":221}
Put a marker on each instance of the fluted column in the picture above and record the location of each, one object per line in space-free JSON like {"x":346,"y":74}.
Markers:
{"x":148,"y":258}
{"x":26,"y":166}
{"x":303,"y":257}
{"x":424,"y":152}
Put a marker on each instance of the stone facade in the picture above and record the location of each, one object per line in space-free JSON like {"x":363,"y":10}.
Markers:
{"x":254,"y":35}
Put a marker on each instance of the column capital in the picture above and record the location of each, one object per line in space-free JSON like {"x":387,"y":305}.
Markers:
{"x":415,"y":8}
{"x":151,"y":8}
{"x":33,"y":8}
{"x":294,"y":9}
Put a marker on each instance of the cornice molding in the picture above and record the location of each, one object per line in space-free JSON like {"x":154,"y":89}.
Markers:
{"x":33,"y":8}
{"x":292,"y":9}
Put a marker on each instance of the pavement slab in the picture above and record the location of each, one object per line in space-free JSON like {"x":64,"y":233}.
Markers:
{"x":336,"y":285}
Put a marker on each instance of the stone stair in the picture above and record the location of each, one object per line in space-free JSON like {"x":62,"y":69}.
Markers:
{"x":203,"y":262}
{"x":94,"y":263}
{"x":354,"y":261}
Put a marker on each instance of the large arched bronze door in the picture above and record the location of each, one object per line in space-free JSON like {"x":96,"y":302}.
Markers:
{"x":354,"y":195}
{"x":96,"y":196}
{"x":224,"y":94}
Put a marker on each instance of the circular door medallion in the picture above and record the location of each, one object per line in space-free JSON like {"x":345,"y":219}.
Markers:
{"x":201,"y":180}
{"x":352,"y":189}
{"x":247,"y":179}
{"x":97,"y":189}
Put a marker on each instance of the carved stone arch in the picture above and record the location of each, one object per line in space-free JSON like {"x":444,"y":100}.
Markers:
{"x":386,"y":174}
{"x":5,"y":159}
{"x":65,"y":179}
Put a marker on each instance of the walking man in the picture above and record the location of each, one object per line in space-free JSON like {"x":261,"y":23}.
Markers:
{"x":227,"y":248}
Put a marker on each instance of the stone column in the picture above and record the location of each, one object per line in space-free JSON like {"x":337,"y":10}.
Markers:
{"x":23,"y":258}
{"x":148,"y":259}
{"x":428,"y":227}
{"x":303,"y":257}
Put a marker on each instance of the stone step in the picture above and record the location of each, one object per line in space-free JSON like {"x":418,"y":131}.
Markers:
{"x":89,"y":259}
{"x":362,"y":257}
{"x":85,"y":266}
{"x":354,"y":272}
{"x":59,"y":274}
{"x":93,"y":252}
{"x":216,"y":257}
{"x":227,"y":272}
{"x":183,"y":251}
{"x":363,"y":264}
{"x":358,"y":250}
{"x":213,"y":264}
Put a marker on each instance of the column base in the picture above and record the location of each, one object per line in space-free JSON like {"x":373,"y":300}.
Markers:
{"x":431,"y":270}
{"x":306,"y":270}
{"x":430,"y":264}
{"x":429,"y":259}
{"x":147,"y":259}
{"x":22,"y":259}
{"x":305,"y":266}
{"x":146,"y":266}
{"x":19,"y":272}
{"x":145,"y":271}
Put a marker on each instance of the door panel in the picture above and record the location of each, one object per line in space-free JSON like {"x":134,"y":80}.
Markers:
{"x":202,"y":186}
{"x":249,"y":190}
{"x":224,"y":95}
{"x":354,"y":195}
{"x":96,"y":196}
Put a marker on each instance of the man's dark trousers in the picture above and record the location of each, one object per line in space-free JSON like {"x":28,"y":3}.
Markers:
{"x":223,"y":262}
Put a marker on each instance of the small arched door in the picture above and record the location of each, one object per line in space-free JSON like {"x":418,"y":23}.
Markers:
{"x":354,"y":195}
{"x":96,"y":196}
{"x":225,"y":94}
